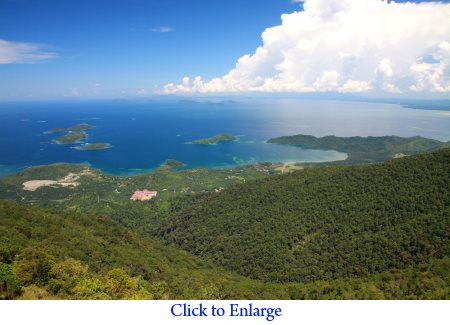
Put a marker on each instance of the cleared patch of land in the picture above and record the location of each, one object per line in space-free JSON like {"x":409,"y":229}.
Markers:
{"x":69,"y":180}
{"x":289,"y":167}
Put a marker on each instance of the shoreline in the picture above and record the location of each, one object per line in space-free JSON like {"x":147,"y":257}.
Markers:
{"x":131,"y":172}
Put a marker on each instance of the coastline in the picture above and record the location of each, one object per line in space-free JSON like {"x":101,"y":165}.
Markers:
{"x":130,"y":172}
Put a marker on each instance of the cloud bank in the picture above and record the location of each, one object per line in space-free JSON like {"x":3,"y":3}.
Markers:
{"x":19,"y":52}
{"x":346,"y":46}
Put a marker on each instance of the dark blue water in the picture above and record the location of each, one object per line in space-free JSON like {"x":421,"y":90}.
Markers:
{"x":145,"y":134}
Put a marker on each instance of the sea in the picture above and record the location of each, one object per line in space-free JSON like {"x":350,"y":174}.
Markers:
{"x":145,"y":133}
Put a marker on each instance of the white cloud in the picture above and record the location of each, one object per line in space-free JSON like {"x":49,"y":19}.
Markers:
{"x":433,"y":76}
{"x":162,"y":29}
{"x":355,"y":86}
{"x":20,"y":52}
{"x":344,"y":46}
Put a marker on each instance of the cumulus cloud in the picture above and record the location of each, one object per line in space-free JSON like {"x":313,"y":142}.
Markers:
{"x":344,"y":46}
{"x":20,"y":52}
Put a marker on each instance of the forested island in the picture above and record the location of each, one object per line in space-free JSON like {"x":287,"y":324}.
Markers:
{"x":72,"y":137}
{"x":74,"y":134}
{"x":74,"y":128}
{"x":364,"y":149}
{"x":215,"y":139}
{"x":77,"y":134}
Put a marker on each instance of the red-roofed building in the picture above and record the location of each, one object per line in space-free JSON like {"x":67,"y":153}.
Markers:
{"x":144,"y":195}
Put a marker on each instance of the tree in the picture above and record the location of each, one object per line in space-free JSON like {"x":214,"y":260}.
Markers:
{"x":33,"y":266}
{"x":9,"y":285}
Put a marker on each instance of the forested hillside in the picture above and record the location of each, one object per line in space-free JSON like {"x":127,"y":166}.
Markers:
{"x":322,"y":223}
{"x":376,"y":231}
{"x":55,"y":255}
{"x":45,"y":253}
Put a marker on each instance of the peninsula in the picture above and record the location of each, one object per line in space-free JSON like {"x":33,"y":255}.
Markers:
{"x":364,"y":149}
{"x":215,"y":139}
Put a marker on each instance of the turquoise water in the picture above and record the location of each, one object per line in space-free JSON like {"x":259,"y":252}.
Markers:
{"x":144,"y":134}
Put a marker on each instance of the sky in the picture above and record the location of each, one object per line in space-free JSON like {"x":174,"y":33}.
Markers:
{"x":53,"y":49}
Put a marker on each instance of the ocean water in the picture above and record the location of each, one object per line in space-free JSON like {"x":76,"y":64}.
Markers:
{"x":144,"y":134}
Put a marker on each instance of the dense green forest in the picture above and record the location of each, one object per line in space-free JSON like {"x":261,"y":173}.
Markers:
{"x":322,"y":223}
{"x":58,"y":255}
{"x":364,"y":149}
{"x":377,"y":231}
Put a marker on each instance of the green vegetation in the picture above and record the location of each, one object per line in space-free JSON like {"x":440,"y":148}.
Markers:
{"x":75,"y":128}
{"x":364,"y":149}
{"x":72,"y":137}
{"x":378,"y":231}
{"x":322,"y":223}
{"x":107,"y":194}
{"x":74,"y":134}
{"x":65,"y":255}
{"x":48,"y":255}
{"x":94,"y":146}
{"x":215,"y":139}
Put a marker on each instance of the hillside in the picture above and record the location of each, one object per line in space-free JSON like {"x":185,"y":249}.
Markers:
{"x":55,"y":255}
{"x":59,"y":255}
{"x":322,"y":223}
{"x":377,"y":231}
{"x":364,"y":149}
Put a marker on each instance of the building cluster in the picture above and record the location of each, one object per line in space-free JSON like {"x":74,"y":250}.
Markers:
{"x":144,"y":195}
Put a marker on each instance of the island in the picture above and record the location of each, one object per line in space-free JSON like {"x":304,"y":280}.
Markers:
{"x":174,"y":163}
{"x":93,"y":146}
{"x":364,"y":149}
{"x":74,"y":134}
{"x":215,"y":139}
{"x":169,"y":166}
{"x":72,"y":137}
{"x":75,"y":128}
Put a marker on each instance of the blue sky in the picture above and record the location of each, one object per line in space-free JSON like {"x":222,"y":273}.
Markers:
{"x":115,"y":45}
{"x":116,"y":48}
